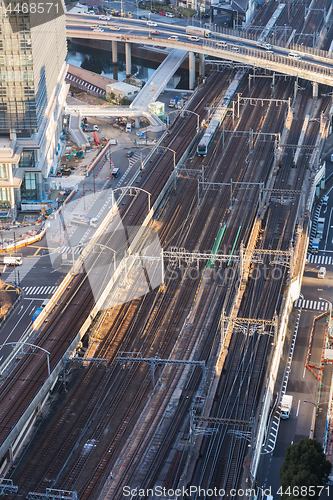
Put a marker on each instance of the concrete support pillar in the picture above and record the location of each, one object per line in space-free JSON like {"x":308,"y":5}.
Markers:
{"x":137,"y":122}
{"x":191,"y":67}
{"x":128,"y":59}
{"x":202,"y":65}
{"x":314,"y":90}
{"x":114,"y":52}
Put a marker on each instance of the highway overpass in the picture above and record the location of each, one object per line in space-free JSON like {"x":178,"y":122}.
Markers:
{"x":313,"y":65}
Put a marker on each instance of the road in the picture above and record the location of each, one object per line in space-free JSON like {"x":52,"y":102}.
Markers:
{"x":140,"y":28}
{"x":302,"y":385}
{"x":38,"y":277}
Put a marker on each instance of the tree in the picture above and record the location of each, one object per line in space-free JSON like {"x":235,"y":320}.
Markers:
{"x":304,"y":464}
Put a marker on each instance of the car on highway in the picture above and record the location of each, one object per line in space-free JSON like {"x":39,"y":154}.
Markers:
{"x":169,"y":14}
{"x":173,"y":37}
{"x":150,"y":23}
{"x":94,"y":26}
{"x":293,"y":55}
{"x":102,"y":18}
{"x":98,"y":30}
{"x":193,"y":38}
{"x":161,"y":13}
{"x":221,"y":45}
{"x":155,"y":32}
{"x":115,"y":28}
{"x":129,"y":154}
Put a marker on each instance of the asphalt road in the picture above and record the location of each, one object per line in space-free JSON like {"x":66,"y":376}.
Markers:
{"x":302,"y":385}
{"x":38,"y":276}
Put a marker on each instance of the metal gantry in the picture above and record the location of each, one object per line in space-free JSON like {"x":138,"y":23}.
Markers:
{"x":282,"y":196}
{"x":153,"y":362}
{"x":254,"y":100}
{"x":53,"y":494}
{"x":218,"y":186}
{"x":97,"y":361}
{"x":182,"y":255}
{"x":197,"y":428}
{"x":7,"y":487}
{"x":249,"y":326}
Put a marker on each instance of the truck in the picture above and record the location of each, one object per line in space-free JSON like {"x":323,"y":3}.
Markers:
{"x":12,"y":260}
{"x":320,"y":227}
{"x":96,"y":138}
{"x":286,"y":404}
{"x":315,"y":245}
{"x":84,"y":220}
{"x":202,"y":32}
{"x":173,"y":102}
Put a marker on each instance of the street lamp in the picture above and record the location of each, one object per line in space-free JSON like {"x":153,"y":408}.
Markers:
{"x":330,"y":313}
{"x":198,"y":117}
{"x":35,"y":347}
{"x":313,"y":422}
{"x":174,"y":155}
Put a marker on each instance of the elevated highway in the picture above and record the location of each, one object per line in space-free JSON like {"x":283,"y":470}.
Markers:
{"x":307,"y":65}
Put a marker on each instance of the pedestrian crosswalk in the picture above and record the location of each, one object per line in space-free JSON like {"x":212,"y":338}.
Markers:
{"x":77,"y":250}
{"x":39,"y":290}
{"x":316,"y":305}
{"x":319,"y":259}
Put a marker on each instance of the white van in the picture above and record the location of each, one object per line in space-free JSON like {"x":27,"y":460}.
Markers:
{"x":286,"y":404}
{"x":115,"y":172}
{"x":293,"y":55}
{"x":12,"y":260}
{"x":322,"y":272}
{"x":128,"y":127}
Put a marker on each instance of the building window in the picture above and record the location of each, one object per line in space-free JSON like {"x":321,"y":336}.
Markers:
{"x":29,"y":187}
{"x":27,"y":159}
{"x":4,"y":198}
{"x":3,"y":171}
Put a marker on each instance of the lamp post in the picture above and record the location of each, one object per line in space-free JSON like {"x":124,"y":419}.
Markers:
{"x":182,"y":114}
{"x":36,"y":347}
{"x":330,"y":315}
{"x":174,"y":155}
{"x":198,"y":117}
{"x":313,"y":421}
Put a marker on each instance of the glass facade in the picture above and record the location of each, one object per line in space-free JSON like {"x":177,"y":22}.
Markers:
{"x":29,"y":186}
{"x":3,"y":171}
{"x":31,"y":58}
{"x":27,"y":159}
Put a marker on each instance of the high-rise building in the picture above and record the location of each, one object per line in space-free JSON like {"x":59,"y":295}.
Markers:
{"x":32,"y":95}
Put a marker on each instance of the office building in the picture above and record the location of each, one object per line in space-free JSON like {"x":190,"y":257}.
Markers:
{"x":32,"y":95}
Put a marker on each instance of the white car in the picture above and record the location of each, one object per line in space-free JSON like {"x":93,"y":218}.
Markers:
{"x":115,"y":28}
{"x":292,"y":55}
{"x":96,"y":128}
{"x":150,"y":23}
{"x":193,"y":38}
{"x":102,"y":18}
{"x":221,"y":45}
{"x":98,"y":30}
{"x":173,"y":37}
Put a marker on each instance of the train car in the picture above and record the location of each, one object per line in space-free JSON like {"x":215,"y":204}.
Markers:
{"x":219,"y":115}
